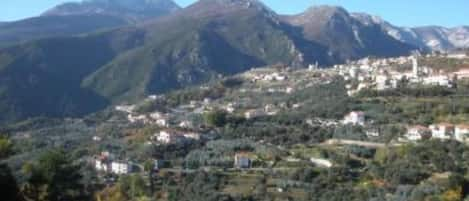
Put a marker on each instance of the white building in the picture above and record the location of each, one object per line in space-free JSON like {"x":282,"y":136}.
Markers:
{"x":383,"y":82}
{"x":321,"y":162}
{"x":461,"y":133}
{"x":101,"y":165}
{"x":416,"y":133}
{"x":355,"y":118}
{"x":169,"y":137}
{"x":254,"y":113}
{"x":125,"y":108}
{"x":442,"y":131}
{"x":242,"y":160}
{"x":186,"y":124}
{"x":438,"y":80}
{"x":121,"y":168}
{"x":175,"y":137}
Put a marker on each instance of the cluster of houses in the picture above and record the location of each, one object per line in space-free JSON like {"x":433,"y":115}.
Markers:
{"x":442,"y":131}
{"x":381,"y":74}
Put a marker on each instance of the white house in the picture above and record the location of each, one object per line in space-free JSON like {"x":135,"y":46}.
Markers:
{"x":443,"y":131}
{"x":186,"y":124}
{"x":254,"y":113}
{"x":242,"y":160}
{"x":169,"y":137}
{"x":416,"y":133}
{"x":121,"y":168}
{"x":355,"y":118}
{"x":101,"y":165}
{"x":438,"y":80}
{"x":125,"y":108}
{"x":174,"y":137}
{"x":461,"y":133}
{"x":383,"y":82}
{"x":321,"y":162}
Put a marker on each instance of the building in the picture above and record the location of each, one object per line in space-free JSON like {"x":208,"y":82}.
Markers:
{"x":254,"y":113}
{"x":242,"y":161}
{"x":438,"y":80}
{"x":416,"y":133}
{"x":125,"y":108}
{"x":102,"y":165}
{"x":186,"y":124}
{"x":121,"y":167}
{"x":175,"y":137}
{"x":415,"y":67}
{"x":443,"y":131}
{"x":383,"y":82}
{"x":355,"y":118}
{"x":461,"y":133}
{"x":169,"y":137}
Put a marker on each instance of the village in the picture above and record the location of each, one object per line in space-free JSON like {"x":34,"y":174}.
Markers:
{"x":265,"y":93}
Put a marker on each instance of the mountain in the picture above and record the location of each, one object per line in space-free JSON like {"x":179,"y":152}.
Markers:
{"x":346,"y":37}
{"x":131,"y":10}
{"x":84,"y":17}
{"x":431,"y":38}
{"x":207,"y":39}
{"x":54,"y":26}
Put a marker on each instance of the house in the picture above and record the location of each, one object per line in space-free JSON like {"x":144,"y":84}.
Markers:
{"x":191,"y":136}
{"x":169,"y":137}
{"x":175,"y":137}
{"x":97,"y":138}
{"x":230,"y":108}
{"x":160,"y":119}
{"x":186,"y":124}
{"x":355,"y":118}
{"x":383,"y":82}
{"x":242,"y":161}
{"x":461,"y":133}
{"x":101,"y":165}
{"x":121,"y":167}
{"x":321,"y":162}
{"x":418,"y":132}
{"x":254,"y":113}
{"x":103,"y":161}
{"x":139,"y":118}
{"x":439,"y":80}
{"x":125,"y":108}
{"x":443,"y":131}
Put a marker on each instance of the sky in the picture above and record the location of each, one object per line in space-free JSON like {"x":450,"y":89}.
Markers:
{"x":408,"y":13}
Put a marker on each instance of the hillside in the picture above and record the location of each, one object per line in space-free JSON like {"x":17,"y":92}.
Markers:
{"x":40,"y":78}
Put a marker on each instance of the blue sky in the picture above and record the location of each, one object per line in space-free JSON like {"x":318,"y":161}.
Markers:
{"x":399,"y":12}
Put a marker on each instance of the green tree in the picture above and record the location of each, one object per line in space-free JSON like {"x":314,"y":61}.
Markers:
{"x":132,"y":185}
{"x":8,"y":185}
{"x":6,"y":147}
{"x":54,"y":177}
{"x":215,"y":118}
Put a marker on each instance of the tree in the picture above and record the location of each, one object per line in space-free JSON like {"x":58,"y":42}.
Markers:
{"x":53,"y":178}
{"x":6,"y":147}
{"x":133,"y":186}
{"x":215,"y":118}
